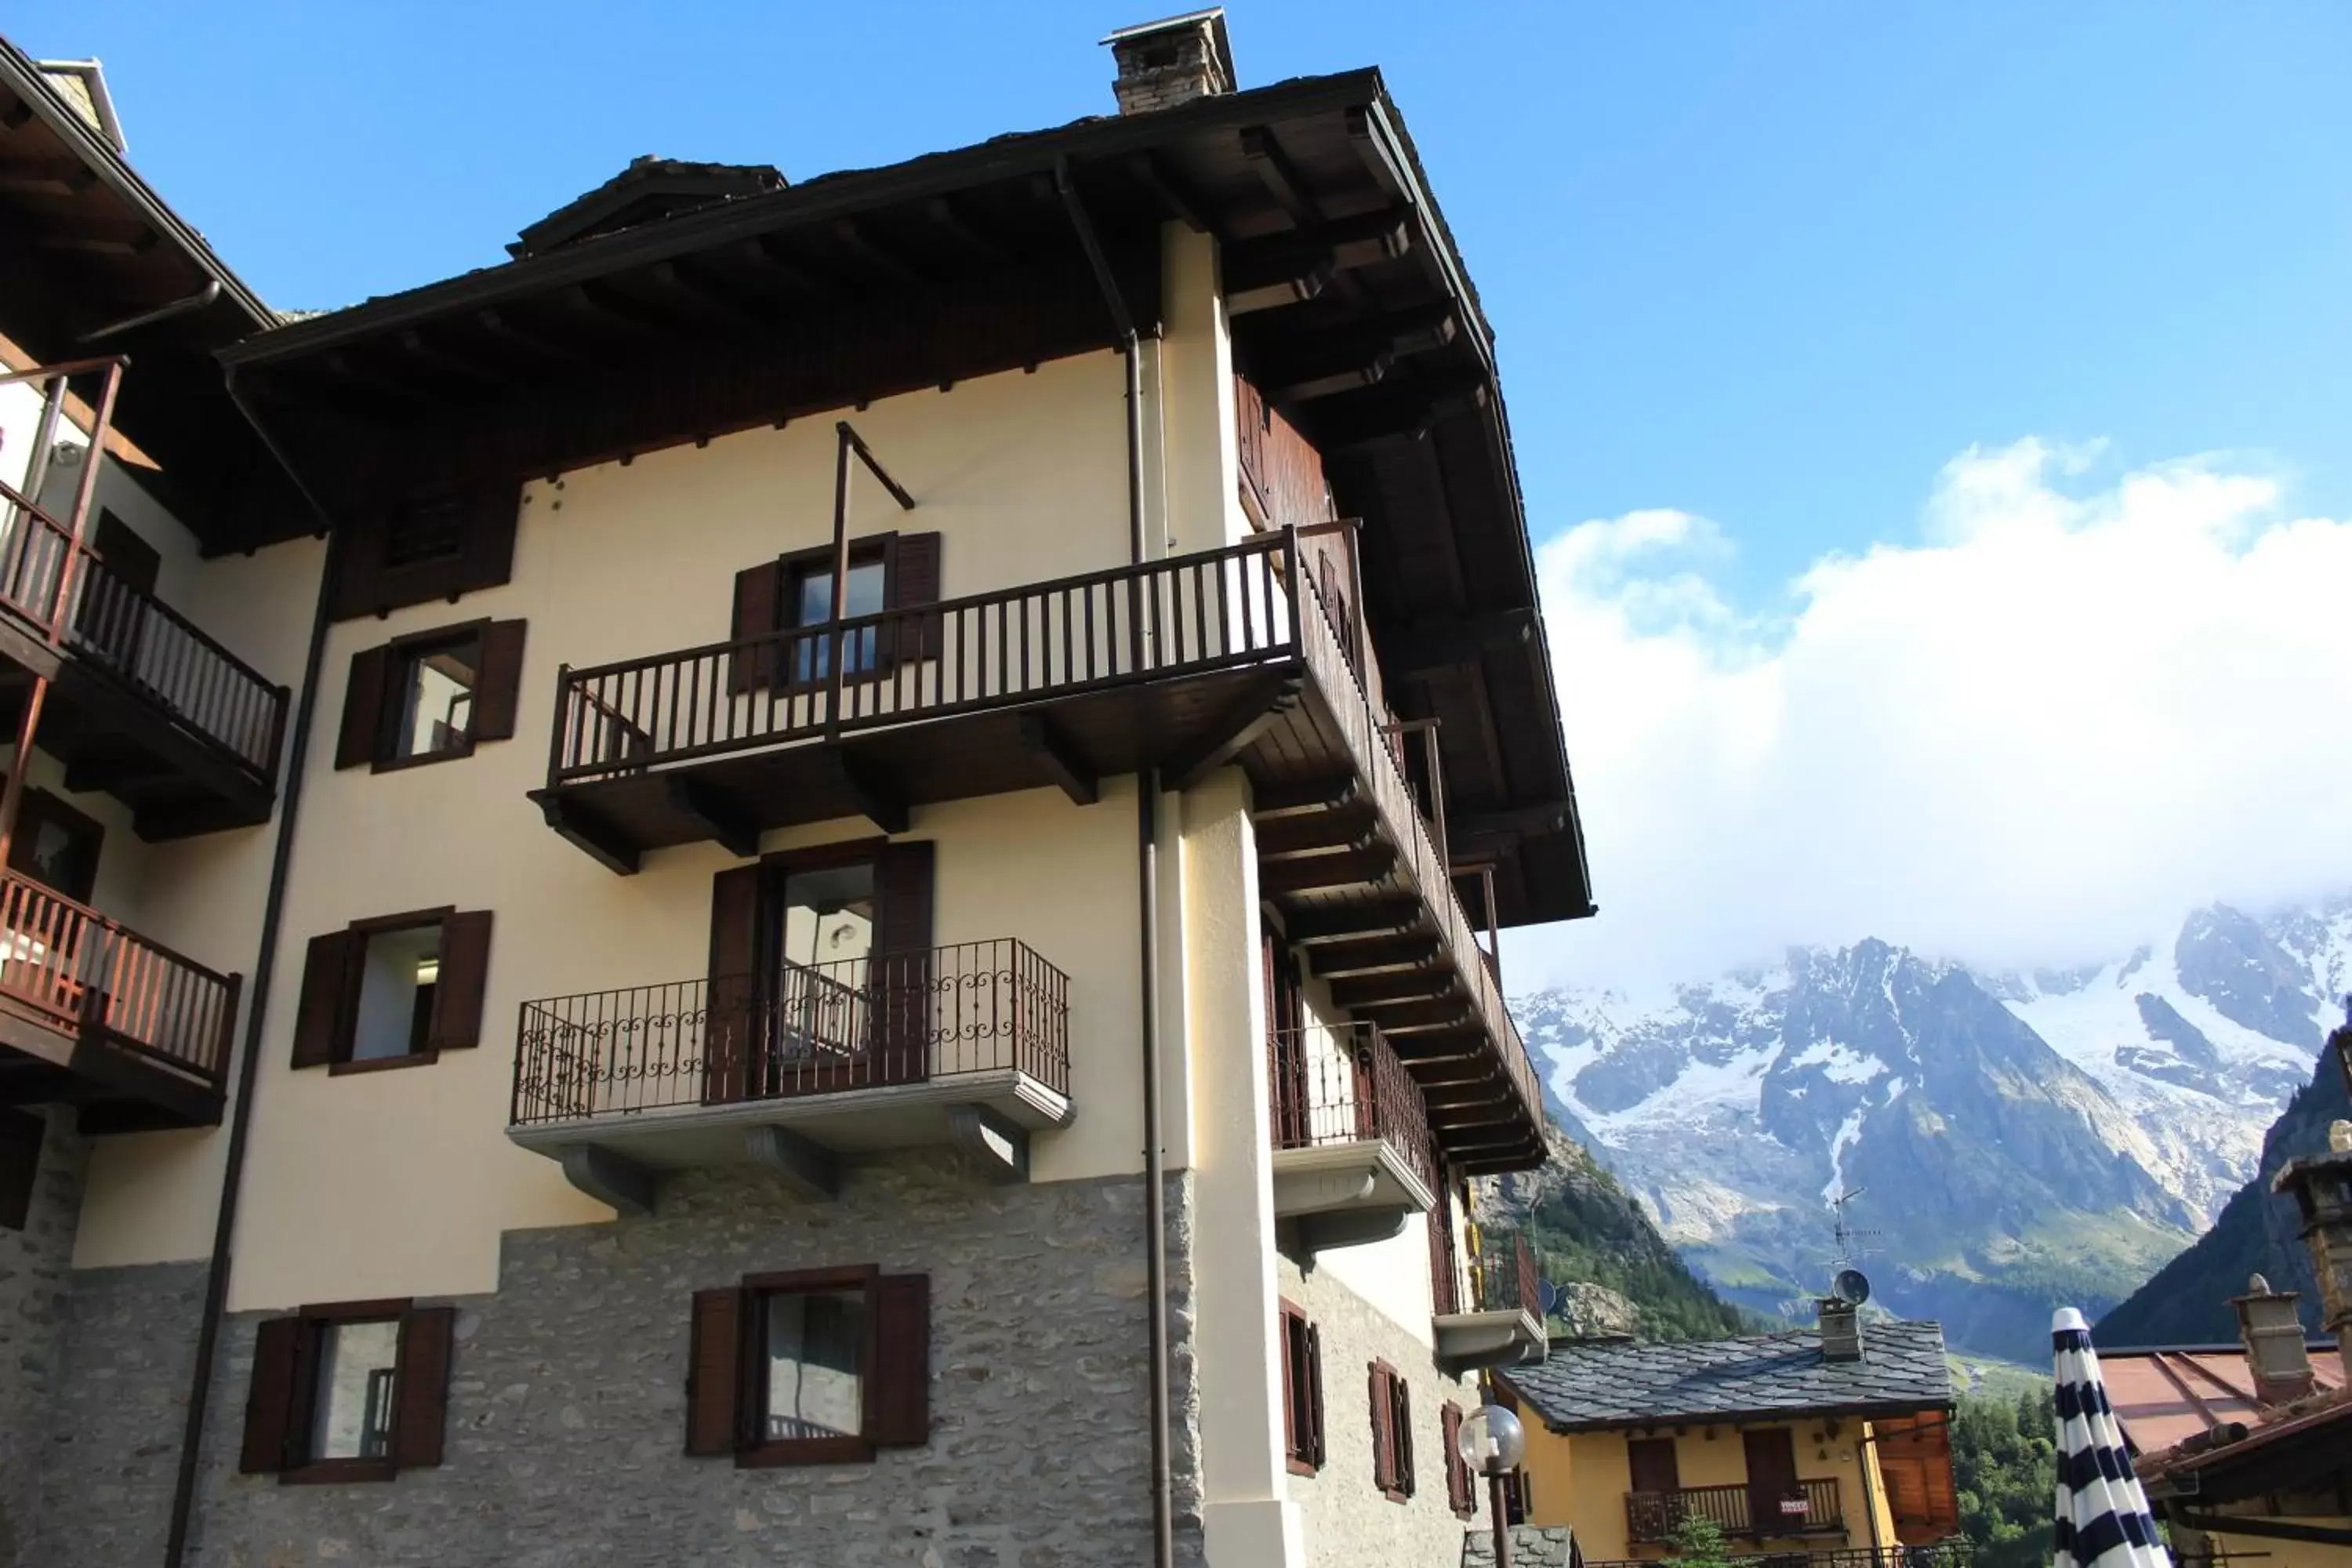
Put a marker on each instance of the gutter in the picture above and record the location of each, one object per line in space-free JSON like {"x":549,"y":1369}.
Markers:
{"x":184,"y":1490}
{"x":1147,"y":877}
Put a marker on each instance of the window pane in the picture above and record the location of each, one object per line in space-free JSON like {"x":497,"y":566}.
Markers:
{"x":396,"y":979}
{"x":353,"y":1420}
{"x":812,"y":657}
{"x":827,"y":934}
{"x":813,"y":1345}
{"x":437,"y":713}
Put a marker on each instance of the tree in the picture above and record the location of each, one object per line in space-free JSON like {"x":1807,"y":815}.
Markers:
{"x":2004,"y":1466}
{"x":1696,"y":1542}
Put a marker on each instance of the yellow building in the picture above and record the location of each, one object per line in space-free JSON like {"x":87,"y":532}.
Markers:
{"x":1799,"y":1442}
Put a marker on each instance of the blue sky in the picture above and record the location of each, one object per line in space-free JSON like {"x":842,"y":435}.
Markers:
{"x":1773,"y":264}
{"x":1914,"y":402}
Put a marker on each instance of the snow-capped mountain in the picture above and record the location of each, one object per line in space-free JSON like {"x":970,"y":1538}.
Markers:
{"x":2013,"y":1138}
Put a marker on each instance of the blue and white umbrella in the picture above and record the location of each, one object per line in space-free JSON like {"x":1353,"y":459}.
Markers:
{"x":2103,"y":1517}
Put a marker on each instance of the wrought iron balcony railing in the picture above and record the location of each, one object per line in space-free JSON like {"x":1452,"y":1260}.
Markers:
{"x":1506,"y":1275}
{"x":1343,"y":1084}
{"x":804,"y":1029}
{"x":87,"y":976}
{"x":1955,"y":1553}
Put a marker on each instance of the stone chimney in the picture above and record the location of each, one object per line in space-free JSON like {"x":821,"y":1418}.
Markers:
{"x":1163,"y":64}
{"x":1841,"y":1330}
{"x":2322,"y":1186}
{"x":2272,"y":1331}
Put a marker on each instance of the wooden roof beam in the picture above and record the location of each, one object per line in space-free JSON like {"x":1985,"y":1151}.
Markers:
{"x":768,"y":252}
{"x":104,"y":237}
{"x":952,"y":219}
{"x":47,"y":176}
{"x":1179,"y":198}
{"x":1449,"y":643}
{"x":443,"y":359}
{"x":858,"y":239}
{"x":1352,"y":922}
{"x":500,"y":324}
{"x":694,"y":285}
{"x":1279,"y":175}
{"x":1410,"y":409}
{"x":1544,"y":817}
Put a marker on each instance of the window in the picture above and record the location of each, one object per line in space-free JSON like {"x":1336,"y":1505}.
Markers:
{"x":1302,"y":1392}
{"x":1392,"y":1433}
{"x":393,"y":991}
{"x":819,"y":1367}
{"x":887,"y":571}
{"x":414,"y":550}
{"x":431,"y":697}
{"x":352,"y":1391}
{"x":1461,"y":1488}
{"x":56,"y":845}
{"x":21,"y":1132}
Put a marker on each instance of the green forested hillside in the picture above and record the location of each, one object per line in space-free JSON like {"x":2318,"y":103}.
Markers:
{"x":1589,"y":1230}
{"x":2001,"y":1461}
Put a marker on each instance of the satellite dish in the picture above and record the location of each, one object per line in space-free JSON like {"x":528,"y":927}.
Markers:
{"x":1548,"y":1296}
{"x":1851,"y":1287}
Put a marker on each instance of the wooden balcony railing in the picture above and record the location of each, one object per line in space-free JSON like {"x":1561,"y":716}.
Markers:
{"x":192,"y":682}
{"x":904,"y":1017}
{"x":1957,"y":1553}
{"x":1184,"y":616}
{"x":1506,"y":1275}
{"x":1809,"y":1508}
{"x":1342,"y":1084}
{"x":86,"y":975}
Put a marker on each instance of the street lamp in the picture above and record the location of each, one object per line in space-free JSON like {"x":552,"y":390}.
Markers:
{"x":1492,"y":1443}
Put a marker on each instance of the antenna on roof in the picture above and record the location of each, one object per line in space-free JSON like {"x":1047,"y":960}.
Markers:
{"x":1849,"y":1239}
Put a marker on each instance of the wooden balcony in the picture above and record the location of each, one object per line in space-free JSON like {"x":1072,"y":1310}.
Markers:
{"x":141,"y":703}
{"x":1352,"y":1156}
{"x":1505,"y":1326}
{"x":965,"y":1045}
{"x":1185,"y":664}
{"x":1810,"y":1508}
{"x":94,"y":1015}
{"x":1955,"y":1553}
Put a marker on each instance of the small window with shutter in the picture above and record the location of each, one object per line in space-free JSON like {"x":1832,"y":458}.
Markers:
{"x":888,"y":573}
{"x":349,"y":1391}
{"x":820,"y":1366}
{"x":432,"y":696}
{"x":1302,"y":1392}
{"x":393,"y":991}
{"x":1392,"y":1433}
{"x":1461,"y":1490}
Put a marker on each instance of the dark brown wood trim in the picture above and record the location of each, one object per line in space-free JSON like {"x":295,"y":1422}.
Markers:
{"x":383,"y":1063}
{"x":825,"y":857}
{"x":418,"y":760}
{"x":845,"y":1277}
{"x":374,"y":924}
{"x":381,"y":1310}
{"x":337,"y":1472}
{"x":805,"y":1451}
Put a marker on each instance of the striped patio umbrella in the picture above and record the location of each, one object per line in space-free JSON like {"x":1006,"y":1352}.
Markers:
{"x":2103,"y":1517}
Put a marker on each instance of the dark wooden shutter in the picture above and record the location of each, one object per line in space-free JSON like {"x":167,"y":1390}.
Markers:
{"x":421,"y":1386}
{"x":464,"y":975}
{"x":1457,"y":1473}
{"x":1652,"y":1460}
{"x":1400,"y":1411}
{"x":1289,"y":1324}
{"x":1314,"y":1449}
{"x":270,"y":1398}
{"x":318,"y":1016}
{"x":21,"y":1134}
{"x":903,"y":876}
{"x":497,"y":685}
{"x":714,"y":1375}
{"x":1383,"y":1458}
{"x":759,"y":609}
{"x":488,"y":557}
{"x":730,"y":1035}
{"x":364,"y":695}
{"x":899,"y":1384}
{"x":915,"y":582}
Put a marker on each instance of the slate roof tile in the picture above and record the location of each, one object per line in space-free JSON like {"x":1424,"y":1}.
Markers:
{"x":1595,"y":1386}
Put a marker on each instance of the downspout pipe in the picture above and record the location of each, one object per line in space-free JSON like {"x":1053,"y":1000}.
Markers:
{"x":240,"y":1127}
{"x":1147,"y":878}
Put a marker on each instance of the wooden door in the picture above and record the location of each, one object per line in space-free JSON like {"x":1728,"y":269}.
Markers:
{"x":1772,"y":1482}
{"x":1285,"y":1045}
{"x":1655,"y":1470}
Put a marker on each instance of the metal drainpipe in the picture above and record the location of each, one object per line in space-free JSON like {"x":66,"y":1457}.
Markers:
{"x":1147,"y":861}
{"x":183,"y":1492}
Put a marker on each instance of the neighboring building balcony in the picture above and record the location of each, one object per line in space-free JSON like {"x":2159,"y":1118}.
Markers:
{"x":94,"y":1015}
{"x":1352,"y":1156}
{"x":965,"y":1045}
{"x":142,"y":704}
{"x":1954,"y":1554}
{"x":1760,"y":1512}
{"x":1505,"y":1326}
{"x":1184,"y":664}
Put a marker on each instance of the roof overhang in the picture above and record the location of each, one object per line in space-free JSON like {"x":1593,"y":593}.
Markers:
{"x":859,"y":284}
{"x":93,"y":262}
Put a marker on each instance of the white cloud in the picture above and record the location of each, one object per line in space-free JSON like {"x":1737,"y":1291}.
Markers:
{"x":2041,"y":732}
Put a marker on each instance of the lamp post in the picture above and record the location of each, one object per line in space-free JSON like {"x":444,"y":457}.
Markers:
{"x":1492,"y":1442}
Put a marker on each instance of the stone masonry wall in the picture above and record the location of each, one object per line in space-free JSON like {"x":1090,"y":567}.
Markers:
{"x":567,"y":1400}
{"x":34,"y":1263}
{"x":1346,"y":1520}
